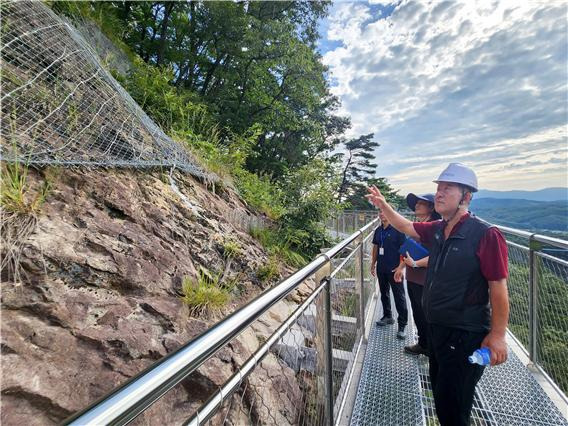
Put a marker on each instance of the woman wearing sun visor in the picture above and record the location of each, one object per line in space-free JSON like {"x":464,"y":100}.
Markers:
{"x":415,"y":270}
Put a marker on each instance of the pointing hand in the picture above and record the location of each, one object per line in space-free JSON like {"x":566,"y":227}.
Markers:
{"x":375,"y":197}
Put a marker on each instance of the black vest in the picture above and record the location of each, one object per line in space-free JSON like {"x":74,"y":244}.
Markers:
{"x":455,"y":293}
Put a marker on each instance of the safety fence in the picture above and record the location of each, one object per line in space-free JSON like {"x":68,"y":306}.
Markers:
{"x":538,"y":293}
{"x":300,"y":374}
{"x":349,"y":221}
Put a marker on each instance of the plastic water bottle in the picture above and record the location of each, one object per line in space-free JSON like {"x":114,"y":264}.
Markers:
{"x":481,"y":356}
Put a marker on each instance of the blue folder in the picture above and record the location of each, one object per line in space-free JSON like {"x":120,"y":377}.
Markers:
{"x":416,"y":250}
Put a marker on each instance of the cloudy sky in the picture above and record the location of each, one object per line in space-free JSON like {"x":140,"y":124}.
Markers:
{"x":478,"y":82}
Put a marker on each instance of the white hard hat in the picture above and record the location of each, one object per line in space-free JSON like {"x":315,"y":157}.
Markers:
{"x":459,"y":173}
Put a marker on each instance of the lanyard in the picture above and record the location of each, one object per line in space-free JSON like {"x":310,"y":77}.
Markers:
{"x":382,"y":236}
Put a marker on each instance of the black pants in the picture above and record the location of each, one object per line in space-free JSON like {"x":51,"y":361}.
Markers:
{"x":386,"y":282}
{"x":453,"y":378}
{"x":415,"y":296}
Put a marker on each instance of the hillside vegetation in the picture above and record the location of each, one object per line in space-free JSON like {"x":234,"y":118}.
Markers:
{"x":243,"y":86}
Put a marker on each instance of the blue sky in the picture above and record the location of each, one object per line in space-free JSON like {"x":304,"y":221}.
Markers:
{"x":479,"y":82}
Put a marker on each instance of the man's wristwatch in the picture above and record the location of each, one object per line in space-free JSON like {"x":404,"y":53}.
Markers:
{"x":414,"y":265}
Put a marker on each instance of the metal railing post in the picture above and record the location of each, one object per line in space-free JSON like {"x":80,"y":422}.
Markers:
{"x":360,"y":280}
{"x":534,"y":246}
{"x":328,"y":356}
{"x":323,"y":343}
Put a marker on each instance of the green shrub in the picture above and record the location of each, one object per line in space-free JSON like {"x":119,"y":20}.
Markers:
{"x":218,"y":150}
{"x":181,"y":114}
{"x":310,"y":200}
{"x":268,"y":271}
{"x":289,"y":256}
{"x":349,"y":305}
{"x":304,"y":238}
{"x":184,"y":117}
{"x":277,"y":245}
{"x":172,"y":109}
{"x":204,"y":295}
{"x":260,"y":193}
{"x":101,"y":13}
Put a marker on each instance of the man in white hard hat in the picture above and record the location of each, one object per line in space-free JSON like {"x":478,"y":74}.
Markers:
{"x":465,"y":297}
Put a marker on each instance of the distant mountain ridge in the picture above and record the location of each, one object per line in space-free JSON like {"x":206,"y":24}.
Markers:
{"x":546,"y":194}
{"x":524,"y":214}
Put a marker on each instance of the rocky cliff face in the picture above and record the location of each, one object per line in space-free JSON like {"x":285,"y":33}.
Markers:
{"x":99,"y":296}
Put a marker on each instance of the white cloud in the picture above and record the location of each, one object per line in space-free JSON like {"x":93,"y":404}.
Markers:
{"x":481,"y":82}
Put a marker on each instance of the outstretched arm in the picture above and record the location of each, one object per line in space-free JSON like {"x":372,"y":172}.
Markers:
{"x":398,"y":221}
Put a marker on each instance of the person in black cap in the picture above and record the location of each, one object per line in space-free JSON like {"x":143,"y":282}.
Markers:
{"x":423,"y":207}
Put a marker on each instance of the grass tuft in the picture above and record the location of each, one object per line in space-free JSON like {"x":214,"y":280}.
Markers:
{"x":205,"y":295}
{"x":278,"y":246}
{"x":15,"y":194}
{"x":231,"y":249}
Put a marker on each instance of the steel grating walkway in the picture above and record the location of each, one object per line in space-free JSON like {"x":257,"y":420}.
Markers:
{"x":394,"y":388}
{"x":389,"y":390}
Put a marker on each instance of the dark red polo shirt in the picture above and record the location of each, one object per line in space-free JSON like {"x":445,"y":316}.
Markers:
{"x":491,"y":252}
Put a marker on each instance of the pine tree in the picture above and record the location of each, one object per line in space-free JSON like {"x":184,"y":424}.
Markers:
{"x":357,"y":200}
{"x":358,"y":166}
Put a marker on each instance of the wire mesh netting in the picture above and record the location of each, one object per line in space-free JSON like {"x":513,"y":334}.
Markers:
{"x":552,"y":315}
{"x":61,"y":106}
{"x":551,"y":323}
{"x":347,"y":297}
{"x":285,"y":387}
{"x":518,"y":285}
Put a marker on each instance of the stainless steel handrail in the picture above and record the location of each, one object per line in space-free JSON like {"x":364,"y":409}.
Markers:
{"x":552,"y":258}
{"x":135,"y":396}
{"x":512,"y":231}
{"x":551,"y":241}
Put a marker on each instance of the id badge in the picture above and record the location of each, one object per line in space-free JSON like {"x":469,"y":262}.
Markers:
{"x":381,"y":251}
